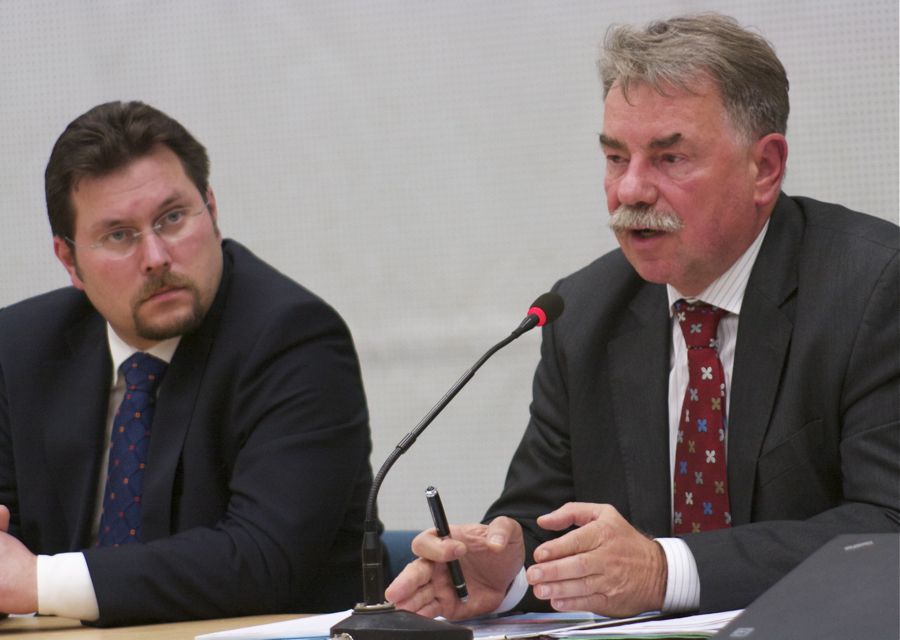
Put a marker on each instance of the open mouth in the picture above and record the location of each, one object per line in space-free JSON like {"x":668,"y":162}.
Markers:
{"x":647,"y":233}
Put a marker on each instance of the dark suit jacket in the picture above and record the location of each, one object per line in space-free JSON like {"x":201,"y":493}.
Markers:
{"x":258,"y":467}
{"x":813,"y":435}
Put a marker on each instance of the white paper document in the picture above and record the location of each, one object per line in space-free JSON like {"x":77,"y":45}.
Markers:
{"x":701,"y":625}
{"x":309,"y":627}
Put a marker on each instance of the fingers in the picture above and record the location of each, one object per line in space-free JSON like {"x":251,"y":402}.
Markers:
{"x":597,"y":524}
{"x":413,"y":590}
{"x":431,"y":547}
{"x":414,"y":576}
{"x":490,"y":555}
{"x":620,"y":586}
{"x":574,"y":513}
{"x":594,"y":602}
{"x":424,"y":586}
{"x":4,"y":518}
{"x":605,"y":565}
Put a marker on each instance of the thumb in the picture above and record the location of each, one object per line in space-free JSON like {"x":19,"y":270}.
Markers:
{"x":503,"y":531}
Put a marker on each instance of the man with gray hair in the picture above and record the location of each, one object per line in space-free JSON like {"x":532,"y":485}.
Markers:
{"x":720,"y":398}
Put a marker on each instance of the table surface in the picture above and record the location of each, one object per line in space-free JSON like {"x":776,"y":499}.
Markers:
{"x":53,"y":628}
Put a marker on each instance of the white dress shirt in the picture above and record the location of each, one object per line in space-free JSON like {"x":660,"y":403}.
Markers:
{"x":726,"y":292}
{"x":63,"y":581}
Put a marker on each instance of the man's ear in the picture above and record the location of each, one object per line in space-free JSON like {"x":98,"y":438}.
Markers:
{"x":65,"y":253}
{"x":213,"y":210}
{"x":770,"y":156}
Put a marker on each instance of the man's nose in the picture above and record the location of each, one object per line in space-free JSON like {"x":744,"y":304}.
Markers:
{"x":154,"y":252}
{"x":638,"y":184}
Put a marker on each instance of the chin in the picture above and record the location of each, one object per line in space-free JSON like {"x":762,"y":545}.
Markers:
{"x":157,"y":329}
{"x":650,"y":272}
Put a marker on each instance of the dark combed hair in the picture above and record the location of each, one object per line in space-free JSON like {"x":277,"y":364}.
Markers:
{"x":106,"y":139}
{"x":682,"y":50}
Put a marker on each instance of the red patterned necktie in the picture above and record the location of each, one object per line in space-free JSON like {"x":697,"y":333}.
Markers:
{"x":700,"y":482}
{"x":120,"y":522}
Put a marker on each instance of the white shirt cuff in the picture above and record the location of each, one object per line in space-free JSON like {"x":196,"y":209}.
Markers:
{"x":683,"y":581}
{"x":64,"y":587}
{"x":516,"y":592}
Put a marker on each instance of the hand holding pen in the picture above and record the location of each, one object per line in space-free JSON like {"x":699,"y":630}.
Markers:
{"x":443,"y":530}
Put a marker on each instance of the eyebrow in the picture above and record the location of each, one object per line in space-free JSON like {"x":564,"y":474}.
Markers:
{"x":665,"y":143}
{"x":656,"y":143}
{"x":612,"y":143}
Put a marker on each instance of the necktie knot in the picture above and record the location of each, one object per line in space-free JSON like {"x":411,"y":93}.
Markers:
{"x":143,"y":372}
{"x":699,"y":322}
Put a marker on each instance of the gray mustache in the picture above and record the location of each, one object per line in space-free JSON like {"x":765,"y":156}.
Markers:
{"x":628,"y":218}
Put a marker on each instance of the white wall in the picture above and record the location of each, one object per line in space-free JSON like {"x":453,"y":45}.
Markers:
{"x":428,"y":167}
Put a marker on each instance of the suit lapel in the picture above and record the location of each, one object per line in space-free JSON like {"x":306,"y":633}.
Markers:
{"x":75,"y":425}
{"x":639,"y":365}
{"x":764,"y":335}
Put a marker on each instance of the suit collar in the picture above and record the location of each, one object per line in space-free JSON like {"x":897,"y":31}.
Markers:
{"x":121,"y":350}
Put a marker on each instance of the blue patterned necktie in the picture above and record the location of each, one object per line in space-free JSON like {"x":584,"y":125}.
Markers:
{"x":120,"y":522}
{"x":700,"y":483}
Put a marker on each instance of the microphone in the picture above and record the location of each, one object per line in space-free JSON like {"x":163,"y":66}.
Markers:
{"x":374,"y":618}
{"x":547,"y":308}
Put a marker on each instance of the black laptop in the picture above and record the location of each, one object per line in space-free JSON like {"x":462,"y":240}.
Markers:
{"x":847,"y":590}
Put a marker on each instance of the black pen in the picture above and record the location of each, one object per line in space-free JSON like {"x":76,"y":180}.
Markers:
{"x":443,"y":530}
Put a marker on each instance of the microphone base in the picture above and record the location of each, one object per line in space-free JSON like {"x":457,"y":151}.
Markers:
{"x":385,"y":622}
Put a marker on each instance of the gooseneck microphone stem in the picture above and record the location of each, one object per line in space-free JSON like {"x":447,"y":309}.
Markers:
{"x":375,"y":619}
{"x":373,"y":580}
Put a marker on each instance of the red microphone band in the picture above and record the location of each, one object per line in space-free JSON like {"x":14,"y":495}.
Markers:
{"x":541,"y":316}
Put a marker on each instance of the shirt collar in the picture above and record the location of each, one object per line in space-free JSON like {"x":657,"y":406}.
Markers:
{"x":726,"y":291}
{"x":121,"y":350}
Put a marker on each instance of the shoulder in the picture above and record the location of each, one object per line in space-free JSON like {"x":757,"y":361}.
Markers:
{"x":836,"y":225}
{"x":609,"y":276}
{"x":45,"y":329}
{"x":845,"y":250}
{"x":44,"y":315}
{"x":257,"y":288}
{"x":607,"y":297}
{"x":64,"y":300}
{"x":258,"y":304}
{"x":823,"y":249}
{"x":610,"y":280}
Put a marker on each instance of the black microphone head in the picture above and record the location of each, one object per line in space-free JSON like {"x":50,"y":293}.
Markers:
{"x":547,"y":307}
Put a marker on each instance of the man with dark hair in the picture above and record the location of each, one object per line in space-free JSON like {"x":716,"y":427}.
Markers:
{"x":183,"y":433}
{"x":721,"y":396}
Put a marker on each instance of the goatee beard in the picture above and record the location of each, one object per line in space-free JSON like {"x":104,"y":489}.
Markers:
{"x":177,"y":327}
